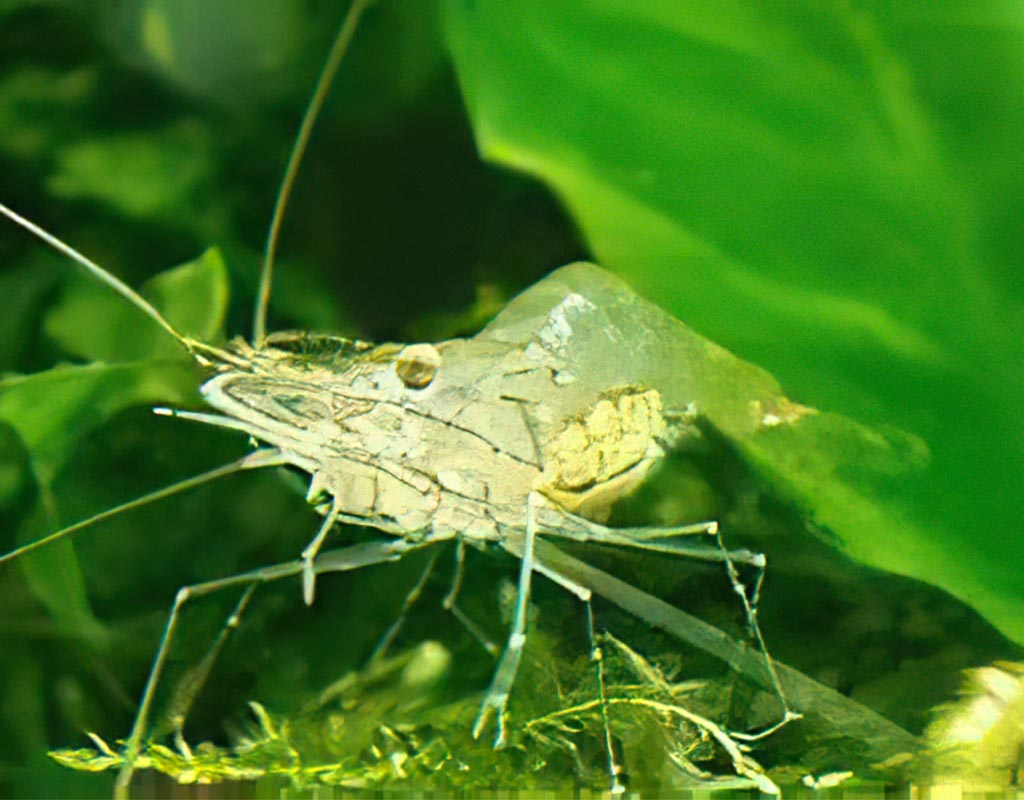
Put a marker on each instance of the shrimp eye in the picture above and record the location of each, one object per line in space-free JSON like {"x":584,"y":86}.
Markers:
{"x":417,"y":365}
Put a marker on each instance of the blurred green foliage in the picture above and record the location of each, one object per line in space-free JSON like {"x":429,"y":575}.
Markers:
{"x":830,"y":192}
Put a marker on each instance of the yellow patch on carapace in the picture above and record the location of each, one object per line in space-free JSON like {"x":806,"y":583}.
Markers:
{"x":604,"y":453}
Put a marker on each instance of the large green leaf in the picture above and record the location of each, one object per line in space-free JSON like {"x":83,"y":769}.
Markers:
{"x":828,"y":191}
{"x":53,"y":410}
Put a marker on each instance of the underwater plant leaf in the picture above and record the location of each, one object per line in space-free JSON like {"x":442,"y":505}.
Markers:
{"x":37,"y":102}
{"x":812,"y":187}
{"x":143,"y":175}
{"x":194,"y":296}
{"x":53,"y":410}
{"x":406,"y":720}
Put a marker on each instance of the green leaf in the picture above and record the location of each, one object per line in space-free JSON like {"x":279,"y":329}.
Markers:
{"x":143,"y":175}
{"x":36,"y":102}
{"x":24,"y":291}
{"x":94,"y":323}
{"x":53,"y":410}
{"x":826,"y":191}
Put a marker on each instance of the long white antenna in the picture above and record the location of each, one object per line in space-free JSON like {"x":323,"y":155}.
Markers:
{"x":316,"y":103}
{"x":97,"y":271}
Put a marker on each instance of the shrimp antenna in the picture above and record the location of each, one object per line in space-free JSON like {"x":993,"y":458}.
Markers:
{"x":316,"y":102}
{"x":119,"y":286}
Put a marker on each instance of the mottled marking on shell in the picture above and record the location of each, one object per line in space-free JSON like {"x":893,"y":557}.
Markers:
{"x":358,"y":495}
{"x":604,"y":453}
{"x":417,"y":365}
{"x":454,"y":481}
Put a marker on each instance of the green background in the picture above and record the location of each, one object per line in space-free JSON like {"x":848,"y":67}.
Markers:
{"x":831,"y":191}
